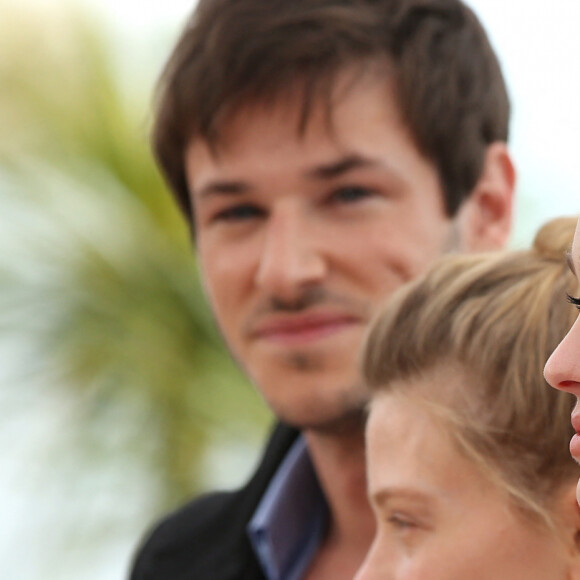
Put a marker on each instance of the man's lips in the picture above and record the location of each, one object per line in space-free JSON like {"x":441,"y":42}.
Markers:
{"x":299,"y":329}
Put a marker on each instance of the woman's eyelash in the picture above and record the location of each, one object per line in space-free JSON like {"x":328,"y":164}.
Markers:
{"x":575,"y":301}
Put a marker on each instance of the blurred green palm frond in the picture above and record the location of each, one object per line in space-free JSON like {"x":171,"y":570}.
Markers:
{"x":63,"y":101}
{"x":98,"y":283}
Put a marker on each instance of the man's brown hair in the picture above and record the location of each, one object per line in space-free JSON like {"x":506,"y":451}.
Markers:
{"x":447,"y":79}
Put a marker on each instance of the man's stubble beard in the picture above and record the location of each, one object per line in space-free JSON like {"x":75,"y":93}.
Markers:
{"x":350,"y":418}
{"x":303,"y":362}
{"x":348,"y":409}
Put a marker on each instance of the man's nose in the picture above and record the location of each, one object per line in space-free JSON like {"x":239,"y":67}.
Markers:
{"x":291,"y":256}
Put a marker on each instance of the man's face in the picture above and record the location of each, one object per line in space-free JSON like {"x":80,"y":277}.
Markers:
{"x":300,"y":237}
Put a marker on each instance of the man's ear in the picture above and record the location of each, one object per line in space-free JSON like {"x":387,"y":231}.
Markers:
{"x":485,"y":218}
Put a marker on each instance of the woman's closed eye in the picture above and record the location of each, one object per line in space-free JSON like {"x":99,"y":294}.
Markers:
{"x":401,"y":522}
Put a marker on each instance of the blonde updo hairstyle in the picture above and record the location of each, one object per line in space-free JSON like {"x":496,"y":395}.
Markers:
{"x":495,"y":318}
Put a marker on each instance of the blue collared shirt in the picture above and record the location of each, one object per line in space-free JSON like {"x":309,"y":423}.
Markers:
{"x":289,"y":524}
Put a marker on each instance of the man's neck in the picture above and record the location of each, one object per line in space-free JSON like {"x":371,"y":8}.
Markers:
{"x":339,"y":461}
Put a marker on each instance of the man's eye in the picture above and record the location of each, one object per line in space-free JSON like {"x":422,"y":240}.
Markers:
{"x":238,"y":213}
{"x":350,"y":194}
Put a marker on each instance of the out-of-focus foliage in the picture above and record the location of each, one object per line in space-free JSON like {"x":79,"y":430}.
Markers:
{"x":62,"y":102}
{"x":98,"y":283}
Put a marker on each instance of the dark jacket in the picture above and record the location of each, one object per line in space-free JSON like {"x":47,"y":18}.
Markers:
{"x":206,"y":539}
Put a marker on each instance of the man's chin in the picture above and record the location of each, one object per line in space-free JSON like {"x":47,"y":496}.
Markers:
{"x":348,"y":423}
{"x":341,"y":421}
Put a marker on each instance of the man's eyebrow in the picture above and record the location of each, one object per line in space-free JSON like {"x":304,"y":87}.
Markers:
{"x":221,"y":188}
{"x":324,"y":171}
{"x":570,"y":262}
{"x":341,"y":166}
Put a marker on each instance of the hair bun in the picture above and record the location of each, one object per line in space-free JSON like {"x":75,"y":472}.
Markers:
{"x":554,"y":238}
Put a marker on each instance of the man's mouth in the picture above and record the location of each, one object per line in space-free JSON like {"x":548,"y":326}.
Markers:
{"x":302,"y":329}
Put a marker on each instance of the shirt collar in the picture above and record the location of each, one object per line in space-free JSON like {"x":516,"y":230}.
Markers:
{"x":290,"y":521}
